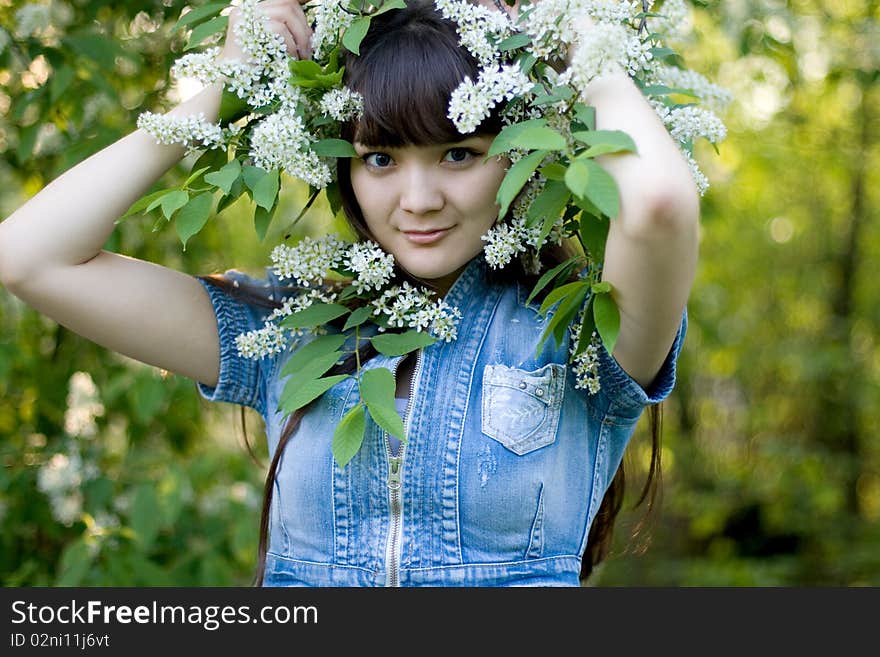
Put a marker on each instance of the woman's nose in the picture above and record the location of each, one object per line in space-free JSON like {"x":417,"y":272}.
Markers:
{"x":422,"y":192}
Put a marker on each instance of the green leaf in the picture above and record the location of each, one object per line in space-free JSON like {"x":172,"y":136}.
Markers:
{"x":146,"y":516}
{"x":307,"y":69}
{"x":198,"y":14}
{"x":233,"y":195}
{"x":60,"y":82}
{"x":195,"y":173}
{"x":503,"y":141}
{"x":588,"y":325}
{"x":225,"y":177}
{"x":193,"y":216}
{"x":252,"y":175}
{"x":602,"y":287}
{"x":266,"y":190}
{"x":549,"y":204}
{"x":173,"y":201}
{"x":206,"y":30}
{"x":601,"y":189}
{"x":604,"y":141}
{"x":586,"y":114}
{"x":314,"y":315}
{"x":397,"y":344}
{"x":355,"y":33}
{"x":553,"y":171}
{"x":74,"y":563}
{"x":390,"y":4}
{"x":232,"y":108}
{"x":349,"y":435}
{"x":262,"y":219}
{"x":561,"y":292}
{"x":566,"y":311}
{"x":593,"y":232}
{"x":358,"y":317}
{"x":334,"y":148}
{"x":323,"y":344}
{"x":377,"y":391}
{"x":540,"y":137}
{"x":561,"y":271}
{"x":27,"y":139}
{"x":307,"y":392}
{"x":310,"y":371}
{"x":143,"y":202}
{"x":607,"y":318}
{"x":559,"y":93}
{"x":516,"y":177}
{"x":515,"y":41}
{"x":577,"y":177}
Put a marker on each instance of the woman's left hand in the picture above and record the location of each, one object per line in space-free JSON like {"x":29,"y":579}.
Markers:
{"x":512,"y":11}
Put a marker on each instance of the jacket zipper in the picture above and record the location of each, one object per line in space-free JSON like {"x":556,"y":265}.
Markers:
{"x":395,"y":467}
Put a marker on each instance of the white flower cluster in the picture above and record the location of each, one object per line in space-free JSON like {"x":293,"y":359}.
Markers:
{"x":505,"y":240}
{"x":192,"y":131}
{"x":471,"y":102}
{"x":342,"y":104}
{"x":373,"y":266}
{"x":281,"y":141}
{"x":271,"y":339}
{"x":61,"y":479}
{"x":328,"y":17}
{"x":673,"y":19}
{"x":585,"y":365}
{"x":605,"y":49}
{"x":687,"y":124}
{"x":714,"y":96}
{"x":308,"y":260}
{"x":408,"y":306}
{"x":478,"y":28}
{"x":83,"y":406}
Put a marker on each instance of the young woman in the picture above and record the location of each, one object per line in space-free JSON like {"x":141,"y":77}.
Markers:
{"x":509,"y":475}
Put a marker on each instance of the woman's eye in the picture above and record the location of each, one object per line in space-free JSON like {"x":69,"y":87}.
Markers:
{"x":378,"y":160}
{"x":459,"y":154}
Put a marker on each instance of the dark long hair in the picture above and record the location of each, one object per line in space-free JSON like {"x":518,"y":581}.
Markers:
{"x":410,"y":63}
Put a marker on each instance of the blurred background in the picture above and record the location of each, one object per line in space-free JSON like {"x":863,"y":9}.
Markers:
{"x":115,"y":473}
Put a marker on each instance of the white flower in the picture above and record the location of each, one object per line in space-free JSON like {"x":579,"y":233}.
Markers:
{"x":687,"y":124}
{"x":471,"y":102}
{"x":604,"y":49}
{"x":83,"y":405}
{"x":261,"y":342}
{"x":342,"y":104}
{"x":309,"y":260}
{"x":586,"y":365}
{"x":475,"y":25}
{"x":713,"y":95}
{"x":373,"y":266}
{"x":281,"y":141}
{"x":329,"y":20}
{"x":194,"y":132}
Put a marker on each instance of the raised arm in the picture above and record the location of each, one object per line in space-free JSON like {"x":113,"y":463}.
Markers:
{"x":651,"y":252}
{"x":51,"y":255}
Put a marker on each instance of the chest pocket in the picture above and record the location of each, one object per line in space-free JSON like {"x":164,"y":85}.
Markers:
{"x":521,"y":409}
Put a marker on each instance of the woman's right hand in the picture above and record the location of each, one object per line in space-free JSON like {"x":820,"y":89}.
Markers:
{"x":284,"y":17}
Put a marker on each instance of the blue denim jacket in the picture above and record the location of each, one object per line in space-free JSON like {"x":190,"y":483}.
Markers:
{"x":504,"y":467}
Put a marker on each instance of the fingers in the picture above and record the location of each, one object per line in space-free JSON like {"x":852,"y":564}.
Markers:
{"x":285,"y":18}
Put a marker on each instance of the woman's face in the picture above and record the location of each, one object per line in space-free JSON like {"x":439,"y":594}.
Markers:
{"x":429,"y":205}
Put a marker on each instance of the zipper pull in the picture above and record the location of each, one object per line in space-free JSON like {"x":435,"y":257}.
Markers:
{"x":394,"y":472}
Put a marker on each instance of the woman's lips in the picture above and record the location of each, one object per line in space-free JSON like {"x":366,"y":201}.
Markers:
{"x":425,"y":238}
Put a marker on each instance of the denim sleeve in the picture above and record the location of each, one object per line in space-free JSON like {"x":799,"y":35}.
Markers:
{"x":241,"y":380}
{"x":623,"y":392}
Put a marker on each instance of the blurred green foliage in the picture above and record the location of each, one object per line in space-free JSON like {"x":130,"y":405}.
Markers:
{"x":125,"y":477}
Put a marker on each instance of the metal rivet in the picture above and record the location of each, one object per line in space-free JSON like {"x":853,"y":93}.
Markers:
{"x":539,"y":392}
{"x":522,"y":386}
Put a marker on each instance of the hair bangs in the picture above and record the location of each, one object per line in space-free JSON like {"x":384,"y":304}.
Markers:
{"x":406,"y":77}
